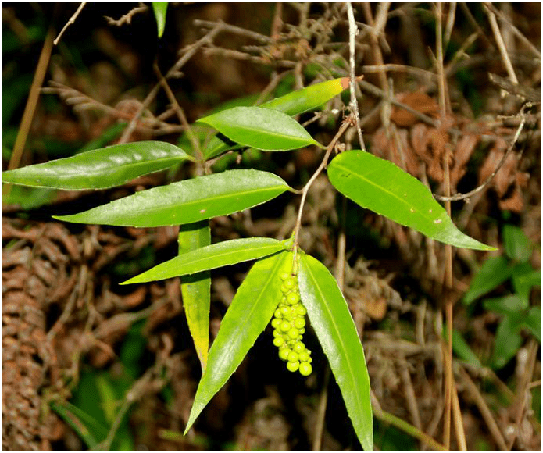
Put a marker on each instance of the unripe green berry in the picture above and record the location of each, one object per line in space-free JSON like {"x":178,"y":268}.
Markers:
{"x":283,"y":353}
{"x":278,"y":313}
{"x":303,"y":356}
{"x":276,"y":333}
{"x":299,"y":323}
{"x":292,"y":356}
{"x":292,"y":298}
{"x":285,"y":326}
{"x":293,"y":333}
{"x":276,"y":323}
{"x":299,"y":347}
{"x":305,"y":368}
{"x":285,"y":312}
{"x":290,"y":283}
{"x":284,"y":276}
{"x":300,"y":310}
{"x":293,"y":366}
{"x":278,"y":341}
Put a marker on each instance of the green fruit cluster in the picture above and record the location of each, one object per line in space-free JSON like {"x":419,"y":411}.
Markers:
{"x":288,"y":326}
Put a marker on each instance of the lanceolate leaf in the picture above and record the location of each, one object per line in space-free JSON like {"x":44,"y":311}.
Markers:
{"x":187,"y":201}
{"x":381,"y":186}
{"x":99,"y":168}
{"x":249,"y":313}
{"x":260,"y":128}
{"x":293,"y":103}
{"x":493,"y":273}
{"x":211,"y":257}
{"x":159,"y":8}
{"x":309,"y":98}
{"x":196,"y":288}
{"x":335,"y":329}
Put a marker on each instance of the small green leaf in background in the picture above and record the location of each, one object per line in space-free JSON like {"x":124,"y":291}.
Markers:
{"x":493,"y":273}
{"x":532,"y":322}
{"x":159,"y":8}
{"x":224,"y":253}
{"x":248,"y":315}
{"x":196,"y":288}
{"x":508,"y":305}
{"x":99,"y":168}
{"x":516,"y":244}
{"x":381,"y":186}
{"x":189,"y":201}
{"x":260,"y":128}
{"x":507,"y":341}
{"x":332,"y":322}
{"x":461,"y":348}
{"x":524,"y":278}
{"x":293,"y":103}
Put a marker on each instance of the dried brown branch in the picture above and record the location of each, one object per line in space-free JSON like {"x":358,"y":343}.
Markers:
{"x":70,"y":22}
{"x":127,"y":18}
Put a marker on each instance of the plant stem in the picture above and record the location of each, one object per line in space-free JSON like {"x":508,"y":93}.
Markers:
{"x":346,"y":123}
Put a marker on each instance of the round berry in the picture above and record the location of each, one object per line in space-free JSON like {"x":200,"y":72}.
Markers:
{"x":299,"y":347}
{"x":285,"y":312}
{"x":293,"y":366}
{"x":278,"y":313}
{"x":303,"y":356}
{"x":284,"y":276}
{"x":290,"y":283}
{"x":278,"y":341}
{"x":283,"y":353}
{"x":292,"y":356}
{"x":284,"y":326}
{"x":276,"y":333}
{"x":292,"y":298}
{"x":299,"y":323}
{"x":293,"y":334}
{"x":275,"y":323}
{"x":300,"y":310}
{"x":305,"y":368}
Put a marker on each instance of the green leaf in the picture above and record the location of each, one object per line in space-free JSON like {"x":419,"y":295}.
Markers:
{"x":532,"y":322}
{"x":99,"y":168}
{"x":516,"y":244}
{"x":492,"y":274}
{"x":187,"y":201}
{"x":508,"y":305}
{"x":461,"y":348}
{"x":89,"y":429}
{"x":381,"y":186}
{"x":293,"y":103}
{"x":260,"y":128}
{"x":507,"y":342}
{"x":211,"y":257}
{"x":248,"y":315}
{"x":196,"y":288}
{"x":335,"y":329}
{"x":524,"y":278}
{"x":159,"y":8}
{"x":309,"y":98}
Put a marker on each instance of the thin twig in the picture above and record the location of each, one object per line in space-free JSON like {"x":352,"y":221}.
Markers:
{"x":233,"y":29}
{"x":321,"y":411}
{"x":458,"y":425}
{"x":70,"y":22}
{"x":485,"y":411}
{"x":126,"y":18}
{"x":501,"y":44}
{"x":450,"y":23}
{"x":346,"y":123}
{"x":30,"y":107}
{"x":353,"y":31}
{"x":174,"y":70}
{"x":458,"y":197}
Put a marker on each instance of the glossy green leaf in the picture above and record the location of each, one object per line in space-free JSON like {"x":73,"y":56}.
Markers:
{"x":260,"y":128}
{"x":293,"y":103}
{"x":493,"y":273}
{"x":248,"y":315}
{"x":384,"y":188}
{"x":187,"y":201}
{"x":516,"y":244}
{"x":532,"y":322}
{"x":211,"y":257}
{"x":159,"y":8}
{"x":309,"y":98}
{"x":99,"y":168}
{"x":335,"y":329}
{"x":196,"y":288}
